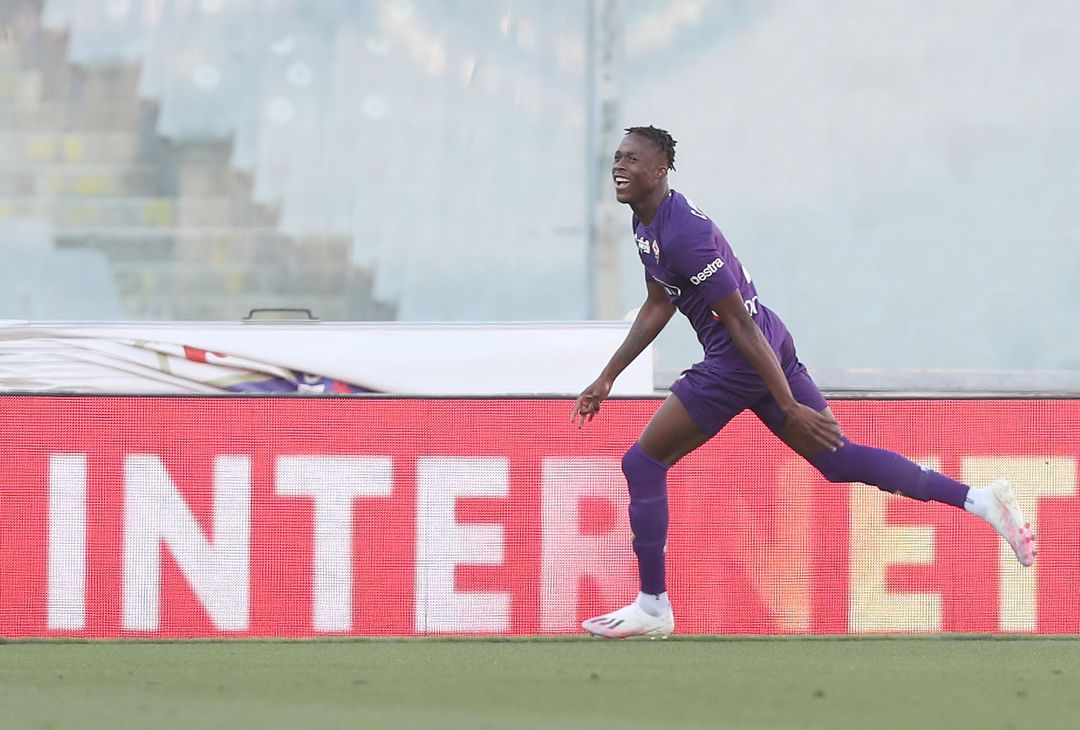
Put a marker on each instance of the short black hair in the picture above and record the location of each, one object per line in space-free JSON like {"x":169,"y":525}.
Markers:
{"x":660,"y":138}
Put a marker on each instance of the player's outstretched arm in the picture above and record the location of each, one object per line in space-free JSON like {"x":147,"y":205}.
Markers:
{"x":654,"y":314}
{"x":822,"y":430}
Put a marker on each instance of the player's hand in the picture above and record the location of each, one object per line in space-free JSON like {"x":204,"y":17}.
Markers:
{"x":821,"y":429}
{"x":587,"y":404}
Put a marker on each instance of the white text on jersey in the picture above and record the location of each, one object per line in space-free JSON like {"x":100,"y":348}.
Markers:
{"x":707,"y":271}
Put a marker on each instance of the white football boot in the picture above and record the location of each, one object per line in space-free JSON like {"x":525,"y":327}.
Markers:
{"x":629,"y":622}
{"x":1004,"y":515}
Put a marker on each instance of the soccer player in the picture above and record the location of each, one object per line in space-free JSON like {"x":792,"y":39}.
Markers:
{"x":750,"y":362}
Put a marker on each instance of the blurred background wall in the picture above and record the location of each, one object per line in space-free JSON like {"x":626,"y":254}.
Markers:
{"x":901,"y":178}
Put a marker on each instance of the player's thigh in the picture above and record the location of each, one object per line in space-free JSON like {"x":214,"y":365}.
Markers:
{"x":798,"y":441}
{"x":671,"y":433}
{"x":806,"y":392}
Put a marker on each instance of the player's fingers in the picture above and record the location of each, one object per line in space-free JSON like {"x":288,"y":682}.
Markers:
{"x":588,"y":409}
{"x":830,"y":437}
{"x":829,"y":431}
{"x":836,"y":435}
{"x":583,"y":410}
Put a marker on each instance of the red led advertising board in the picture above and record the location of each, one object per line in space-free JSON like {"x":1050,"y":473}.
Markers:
{"x":295,"y":517}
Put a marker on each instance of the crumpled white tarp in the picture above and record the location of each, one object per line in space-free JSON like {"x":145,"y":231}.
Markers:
{"x":401,"y":358}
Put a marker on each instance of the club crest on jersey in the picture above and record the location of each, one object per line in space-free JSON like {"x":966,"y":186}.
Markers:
{"x":656,"y":250}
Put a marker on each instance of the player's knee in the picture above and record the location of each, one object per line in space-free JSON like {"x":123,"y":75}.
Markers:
{"x":629,"y":459}
{"x":643,"y":473}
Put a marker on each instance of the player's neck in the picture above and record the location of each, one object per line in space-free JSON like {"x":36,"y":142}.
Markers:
{"x":645,"y":210}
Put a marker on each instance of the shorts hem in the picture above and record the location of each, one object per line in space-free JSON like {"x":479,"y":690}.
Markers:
{"x":705,"y":428}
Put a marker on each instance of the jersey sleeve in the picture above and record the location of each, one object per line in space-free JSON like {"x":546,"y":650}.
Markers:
{"x":697,"y":259}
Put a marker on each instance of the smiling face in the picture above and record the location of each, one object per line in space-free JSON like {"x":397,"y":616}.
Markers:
{"x":639,"y":170}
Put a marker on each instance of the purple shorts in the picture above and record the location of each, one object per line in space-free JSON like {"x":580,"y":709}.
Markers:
{"x":713,"y":393}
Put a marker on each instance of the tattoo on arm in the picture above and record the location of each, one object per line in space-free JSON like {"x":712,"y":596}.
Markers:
{"x":646,"y":327}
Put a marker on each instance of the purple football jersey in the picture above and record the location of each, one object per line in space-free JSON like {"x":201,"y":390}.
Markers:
{"x":684,"y":251}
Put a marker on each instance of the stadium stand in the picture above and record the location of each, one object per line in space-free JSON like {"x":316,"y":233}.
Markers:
{"x":104,"y":168}
{"x":444,"y":146}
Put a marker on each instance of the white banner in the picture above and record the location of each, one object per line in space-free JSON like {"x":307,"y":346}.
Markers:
{"x":415,"y":359}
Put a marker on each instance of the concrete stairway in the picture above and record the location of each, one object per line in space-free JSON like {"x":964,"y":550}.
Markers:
{"x":185,"y":241}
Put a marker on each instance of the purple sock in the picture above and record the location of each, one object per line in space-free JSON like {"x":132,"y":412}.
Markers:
{"x":889,"y":472}
{"x":647,"y":479}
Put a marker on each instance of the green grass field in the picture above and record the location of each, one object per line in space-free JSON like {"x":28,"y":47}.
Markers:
{"x":966,"y":682}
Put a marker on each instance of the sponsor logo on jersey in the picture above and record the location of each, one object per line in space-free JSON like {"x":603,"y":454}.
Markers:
{"x":751,"y":305}
{"x":644,"y":245}
{"x":707,"y":271}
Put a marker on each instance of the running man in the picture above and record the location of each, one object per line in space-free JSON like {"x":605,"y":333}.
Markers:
{"x":750,"y":362}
